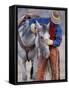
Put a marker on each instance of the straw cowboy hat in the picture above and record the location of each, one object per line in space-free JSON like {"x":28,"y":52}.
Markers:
{"x":56,"y":17}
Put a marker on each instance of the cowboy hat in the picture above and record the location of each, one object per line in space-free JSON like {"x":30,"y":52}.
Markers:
{"x":56,"y":17}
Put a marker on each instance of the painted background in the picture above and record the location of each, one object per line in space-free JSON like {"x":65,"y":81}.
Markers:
{"x":45,"y":13}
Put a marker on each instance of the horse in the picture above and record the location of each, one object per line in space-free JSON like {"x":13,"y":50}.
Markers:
{"x":30,"y":45}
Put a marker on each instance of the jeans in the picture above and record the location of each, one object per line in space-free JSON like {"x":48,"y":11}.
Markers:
{"x":54,"y":60}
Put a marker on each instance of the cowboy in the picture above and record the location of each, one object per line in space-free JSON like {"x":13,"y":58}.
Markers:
{"x":54,"y":42}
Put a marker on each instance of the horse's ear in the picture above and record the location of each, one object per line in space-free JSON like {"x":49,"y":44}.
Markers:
{"x":48,"y":25}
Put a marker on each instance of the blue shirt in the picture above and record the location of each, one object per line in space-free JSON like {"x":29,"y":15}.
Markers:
{"x":58,"y":36}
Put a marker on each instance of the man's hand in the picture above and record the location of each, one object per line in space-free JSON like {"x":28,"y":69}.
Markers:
{"x":49,"y":42}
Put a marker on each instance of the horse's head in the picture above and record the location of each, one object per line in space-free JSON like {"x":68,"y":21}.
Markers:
{"x":27,"y":36}
{"x":42,"y":34}
{"x":41,"y":30}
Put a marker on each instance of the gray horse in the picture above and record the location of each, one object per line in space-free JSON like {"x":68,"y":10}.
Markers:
{"x":30,"y":46}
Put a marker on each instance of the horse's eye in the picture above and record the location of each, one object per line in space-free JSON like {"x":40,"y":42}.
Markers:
{"x":41,"y":37}
{"x":34,"y":28}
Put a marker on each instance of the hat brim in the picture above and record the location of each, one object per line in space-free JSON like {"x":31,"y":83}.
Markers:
{"x":56,"y":20}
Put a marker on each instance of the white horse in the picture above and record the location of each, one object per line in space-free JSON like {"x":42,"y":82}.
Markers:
{"x":28,"y":45}
{"x":26,"y":49}
{"x":42,"y":36}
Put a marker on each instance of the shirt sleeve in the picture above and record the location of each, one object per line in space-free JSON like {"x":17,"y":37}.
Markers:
{"x":40,"y":20}
{"x":58,"y":37}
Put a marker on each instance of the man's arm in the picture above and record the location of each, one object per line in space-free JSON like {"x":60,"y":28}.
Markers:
{"x":58,"y":37}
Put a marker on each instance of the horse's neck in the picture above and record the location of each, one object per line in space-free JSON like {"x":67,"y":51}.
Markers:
{"x":40,"y":42}
{"x":28,"y":38}
{"x":46,"y":35}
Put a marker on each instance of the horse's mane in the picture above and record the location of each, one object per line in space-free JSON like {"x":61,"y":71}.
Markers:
{"x":26,"y":17}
